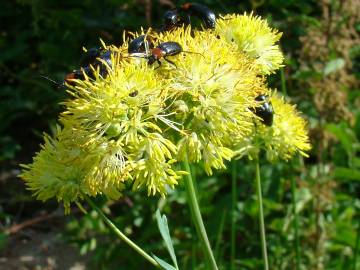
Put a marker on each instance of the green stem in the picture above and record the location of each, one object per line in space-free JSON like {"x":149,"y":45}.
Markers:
{"x":296,"y":223}
{"x":120,"y":234}
{"x":197,"y":219}
{"x":261,"y":216}
{"x":233,"y":215}
{"x":220,"y":233}
{"x":357,"y":244}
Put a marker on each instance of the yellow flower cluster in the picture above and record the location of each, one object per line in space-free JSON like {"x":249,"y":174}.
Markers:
{"x":284,"y":138}
{"x":253,"y":36}
{"x":135,"y":125}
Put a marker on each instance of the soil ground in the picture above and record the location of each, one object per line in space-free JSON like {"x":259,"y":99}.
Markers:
{"x":35,"y":250}
{"x":30,"y":231}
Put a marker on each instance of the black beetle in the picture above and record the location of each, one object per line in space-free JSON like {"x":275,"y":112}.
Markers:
{"x":90,"y":57}
{"x":93,"y":59}
{"x":137,"y":45}
{"x":172,"y":19}
{"x":163,"y":50}
{"x":202,"y":12}
{"x":101,"y":62}
{"x":265,"y":111}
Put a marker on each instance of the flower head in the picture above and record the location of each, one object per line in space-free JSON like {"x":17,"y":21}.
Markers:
{"x":253,"y":36}
{"x":286,"y":136}
{"x":66,"y":169}
{"x":133,"y":126}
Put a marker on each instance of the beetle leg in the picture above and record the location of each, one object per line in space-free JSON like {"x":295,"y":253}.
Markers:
{"x":171,"y":62}
{"x":159,"y":62}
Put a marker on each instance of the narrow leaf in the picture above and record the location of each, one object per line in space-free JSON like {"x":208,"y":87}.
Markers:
{"x":343,"y":173}
{"x":344,"y":135}
{"x":163,"y":264}
{"x":164,"y":231}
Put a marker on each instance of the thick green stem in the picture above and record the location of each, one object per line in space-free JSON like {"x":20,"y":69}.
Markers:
{"x":122,"y":236}
{"x":233,"y":215}
{"x":261,"y":216}
{"x":357,"y":245}
{"x":197,"y":219}
{"x":296,"y":224}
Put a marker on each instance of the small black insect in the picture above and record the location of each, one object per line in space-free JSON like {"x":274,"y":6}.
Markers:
{"x":95,"y":59}
{"x":164,"y":50}
{"x":134,"y":94}
{"x":172,"y":19}
{"x":137,"y":45}
{"x":202,"y":12}
{"x":181,"y":16}
{"x":74,"y":75}
{"x":78,"y":74}
{"x":90,"y":57}
{"x":265,"y":111}
{"x":102,"y":62}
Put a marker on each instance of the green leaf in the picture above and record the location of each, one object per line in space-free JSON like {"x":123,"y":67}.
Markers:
{"x":164,"y":264}
{"x":342,"y":173}
{"x":344,"y":134}
{"x":345,"y":234}
{"x":164,"y":231}
{"x":302,"y":197}
{"x":334,"y":65}
{"x":356,"y":162}
{"x":306,"y":74}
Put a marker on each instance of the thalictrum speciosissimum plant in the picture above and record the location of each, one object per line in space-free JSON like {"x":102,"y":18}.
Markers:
{"x":134,"y":126}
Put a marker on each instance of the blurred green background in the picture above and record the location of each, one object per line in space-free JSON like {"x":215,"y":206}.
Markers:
{"x":321,"y":42}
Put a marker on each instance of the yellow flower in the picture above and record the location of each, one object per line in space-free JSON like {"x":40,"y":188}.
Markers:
{"x":135,"y":125}
{"x":217,"y":83}
{"x":66,"y":168}
{"x":253,"y":36}
{"x":284,"y":138}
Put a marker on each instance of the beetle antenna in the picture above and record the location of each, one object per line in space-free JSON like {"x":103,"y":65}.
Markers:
{"x":194,"y":53}
{"x":50,"y":80}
